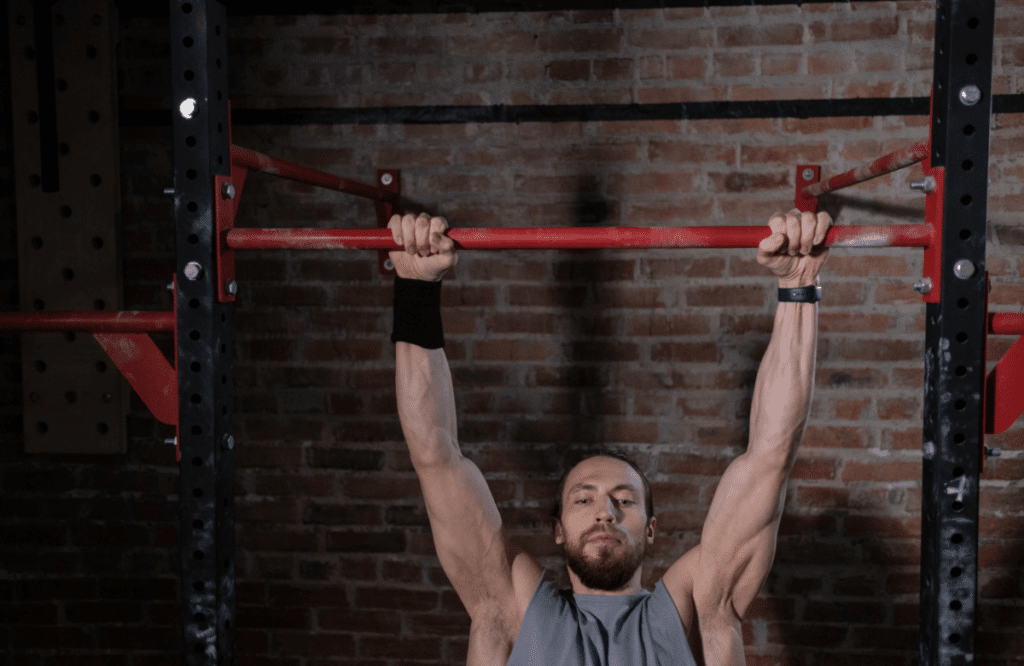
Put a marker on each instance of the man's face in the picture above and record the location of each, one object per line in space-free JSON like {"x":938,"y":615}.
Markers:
{"x":604,"y":527}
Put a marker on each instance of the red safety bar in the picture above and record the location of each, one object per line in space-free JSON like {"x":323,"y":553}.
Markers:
{"x":123,"y":336}
{"x":250,"y":159}
{"x":887,"y":164}
{"x":1005,"y":323}
{"x":573,"y":238}
{"x":97,"y":322}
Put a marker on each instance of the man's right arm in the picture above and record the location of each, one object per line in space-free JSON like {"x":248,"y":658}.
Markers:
{"x":488,"y":574}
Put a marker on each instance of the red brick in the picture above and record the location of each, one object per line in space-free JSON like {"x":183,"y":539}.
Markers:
{"x":835,"y":437}
{"x":308,"y":644}
{"x":883,"y":470}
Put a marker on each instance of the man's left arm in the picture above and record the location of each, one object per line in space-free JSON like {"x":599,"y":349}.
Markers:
{"x":738,"y":540}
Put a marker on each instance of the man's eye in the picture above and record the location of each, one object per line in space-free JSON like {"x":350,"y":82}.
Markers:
{"x":582,"y":500}
{"x":626,"y":502}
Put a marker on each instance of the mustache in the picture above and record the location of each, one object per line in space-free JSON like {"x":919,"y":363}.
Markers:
{"x":602,"y":530}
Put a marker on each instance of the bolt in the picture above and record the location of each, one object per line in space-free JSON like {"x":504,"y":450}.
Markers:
{"x":963,"y":269}
{"x":386,"y":179}
{"x":228,"y":191}
{"x":108,"y":397}
{"x":389,"y":265}
{"x":187,"y":108}
{"x":169,"y":191}
{"x":193,"y":271}
{"x":994,"y":453}
{"x":970,"y":95}
{"x":227,"y":442}
{"x":231,"y":287}
{"x":171,"y":441}
{"x":170,"y":287}
{"x":808,"y":174}
{"x":927,"y":185}
{"x":923,"y":286}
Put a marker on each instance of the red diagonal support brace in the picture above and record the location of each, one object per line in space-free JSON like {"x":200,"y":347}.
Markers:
{"x":144,"y":366}
{"x":1004,"y":389}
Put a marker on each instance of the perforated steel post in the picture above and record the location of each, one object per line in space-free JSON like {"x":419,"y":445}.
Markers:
{"x":202,"y":150}
{"x":955,"y":335}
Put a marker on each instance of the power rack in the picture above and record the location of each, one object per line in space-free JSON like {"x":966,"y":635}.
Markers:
{"x":196,"y":394}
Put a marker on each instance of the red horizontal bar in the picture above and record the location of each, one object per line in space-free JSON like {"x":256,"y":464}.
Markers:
{"x":97,"y":322}
{"x":883,"y":165}
{"x":1006,"y":323}
{"x":573,"y":238}
{"x":250,"y":159}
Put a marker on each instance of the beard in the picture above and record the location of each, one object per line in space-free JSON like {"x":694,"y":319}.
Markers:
{"x":610,"y":569}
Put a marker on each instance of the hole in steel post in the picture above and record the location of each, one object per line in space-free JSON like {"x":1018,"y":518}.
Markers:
{"x":70,"y":336}
{"x":62,"y":85}
{"x":193,"y":303}
{"x":955,"y":572}
{"x":30,"y":52}
{"x":965,"y":234}
{"x":197,"y":524}
{"x":36,"y":242}
{"x":199,"y":617}
{"x":955,"y":605}
{"x":192,"y":207}
{"x":216,"y":30}
{"x":967,"y":165}
{"x":58,"y":19}
{"x":195,"y":367}
{"x":191,"y":174}
{"x":971,"y":59}
{"x":954,"y":638}
{"x":958,"y":472}
{"x":962,"y":303}
{"x":973,"y":22}
{"x":197,"y":492}
{"x":218,"y":63}
{"x":71,"y":397}
{"x":33,"y":117}
{"x":197,"y":461}
{"x":198,"y":555}
{"x":957,"y":506}
{"x":39,"y":304}
{"x":220,"y":128}
{"x":97,"y":242}
{"x":95,"y":180}
{"x":196,"y":398}
{"x":190,"y":141}
{"x":959,"y":438}
{"x":959,"y":405}
{"x":956,"y":538}
{"x":101,"y":366}
{"x":90,"y":52}
{"x":198,"y":586}
{"x":40,"y":366}
{"x":197,"y":430}
{"x":187,"y":8}
{"x":65,"y":211}
{"x":189,"y":75}
{"x":102,"y":428}
{"x":97,"y":19}
{"x":199,"y":648}
{"x":966,"y":200}
{"x":99,"y":304}
{"x":193,"y":239}
{"x":194,"y":335}
{"x":187,"y":42}
{"x":968,"y":130}
{"x":34,"y":180}
{"x":68,"y":274}
{"x":227,"y":624}
{"x":41,"y":427}
{"x":961,"y":337}
{"x":960,"y":371}
{"x":65,"y":149}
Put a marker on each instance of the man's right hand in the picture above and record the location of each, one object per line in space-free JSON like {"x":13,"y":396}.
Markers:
{"x":429,"y":253}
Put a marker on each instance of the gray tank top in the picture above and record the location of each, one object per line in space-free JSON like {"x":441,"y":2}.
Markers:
{"x":565,"y":629}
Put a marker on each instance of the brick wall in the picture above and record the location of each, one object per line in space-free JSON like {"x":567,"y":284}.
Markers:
{"x":653,"y":351}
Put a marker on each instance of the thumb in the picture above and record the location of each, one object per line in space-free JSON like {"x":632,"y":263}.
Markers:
{"x":773,"y":243}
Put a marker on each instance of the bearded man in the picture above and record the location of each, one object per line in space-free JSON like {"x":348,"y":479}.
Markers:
{"x":605,"y":514}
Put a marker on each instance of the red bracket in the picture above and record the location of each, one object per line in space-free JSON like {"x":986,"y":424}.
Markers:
{"x":227,"y":192}
{"x":806,"y":175}
{"x":390,"y":180}
{"x":1004,"y":388}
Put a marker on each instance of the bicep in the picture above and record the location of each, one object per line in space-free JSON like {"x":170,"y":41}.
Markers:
{"x":738,"y":540}
{"x":468,"y":534}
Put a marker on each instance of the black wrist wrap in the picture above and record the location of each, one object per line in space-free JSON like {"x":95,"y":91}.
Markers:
{"x":418,"y":313}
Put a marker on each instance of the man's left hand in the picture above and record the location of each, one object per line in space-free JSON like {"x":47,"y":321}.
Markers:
{"x":795,"y":252}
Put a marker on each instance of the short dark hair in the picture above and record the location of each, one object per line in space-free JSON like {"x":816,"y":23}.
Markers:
{"x":609,"y":452}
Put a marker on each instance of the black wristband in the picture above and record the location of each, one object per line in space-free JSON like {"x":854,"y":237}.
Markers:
{"x":417,"y":307}
{"x":811,"y":294}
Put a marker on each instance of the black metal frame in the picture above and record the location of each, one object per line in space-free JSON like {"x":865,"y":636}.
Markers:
{"x":955,"y":336}
{"x":202,"y":150}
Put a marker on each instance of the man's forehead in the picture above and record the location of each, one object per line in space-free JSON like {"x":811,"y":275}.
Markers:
{"x":603,"y":470}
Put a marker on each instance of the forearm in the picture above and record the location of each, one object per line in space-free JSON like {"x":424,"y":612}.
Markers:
{"x":785,"y":382}
{"x":426,"y":404}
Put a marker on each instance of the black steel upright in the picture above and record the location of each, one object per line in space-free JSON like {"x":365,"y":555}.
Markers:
{"x":205,"y":339}
{"x":955,"y":335}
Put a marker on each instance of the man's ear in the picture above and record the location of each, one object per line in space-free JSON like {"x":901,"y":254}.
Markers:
{"x":559,"y":532}
{"x":650,"y":529}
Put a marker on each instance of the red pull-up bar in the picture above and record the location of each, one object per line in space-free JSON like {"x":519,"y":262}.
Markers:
{"x":96,"y":322}
{"x":574,"y":238}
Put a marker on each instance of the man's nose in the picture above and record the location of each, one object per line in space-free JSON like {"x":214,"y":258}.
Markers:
{"x":609,"y":511}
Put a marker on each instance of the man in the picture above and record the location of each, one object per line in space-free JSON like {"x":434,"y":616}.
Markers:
{"x":605,"y":519}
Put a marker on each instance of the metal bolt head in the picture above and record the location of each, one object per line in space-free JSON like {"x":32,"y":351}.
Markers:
{"x":993,"y":453}
{"x":227,"y":442}
{"x":169,"y":191}
{"x":170,"y":286}
{"x":808,"y":174}
{"x":389,"y":265}
{"x":970,"y":95}
{"x":171,"y":441}
{"x":923,"y":286}
{"x":187,"y":108}
{"x":231,"y":287}
{"x":926,"y":185}
{"x":963,"y":269}
{"x":386,"y":179}
{"x":193,"y":271}
{"x":228,"y":191}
